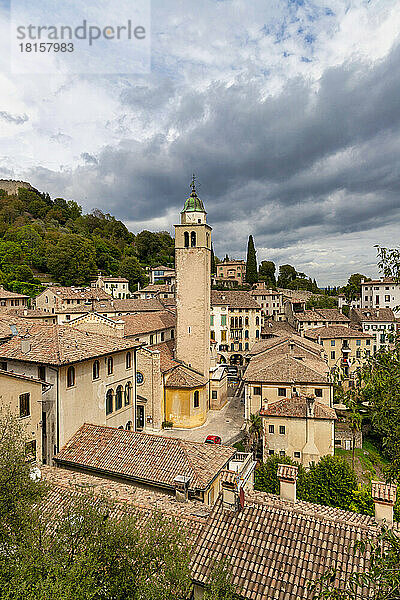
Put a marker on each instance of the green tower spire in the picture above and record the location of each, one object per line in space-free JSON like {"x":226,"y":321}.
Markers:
{"x":193,"y":203}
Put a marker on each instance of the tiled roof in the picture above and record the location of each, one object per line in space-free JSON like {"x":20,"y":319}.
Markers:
{"x":282,"y":345}
{"x":274,"y":550}
{"x":146,"y":322}
{"x":151,"y":459}
{"x":155,"y":287}
{"x":116,"y":279}
{"x":335,"y":332}
{"x":162,"y":268}
{"x":321,"y":314}
{"x":59,"y":344}
{"x":373,"y":314}
{"x":384,"y":492}
{"x":26,"y":313}
{"x":166,"y":350}
{"x":72,"y":293}
{"x":24,"y":377}
{"x":65,"y":484}
{"x":297,"y":408}
{"x":286,"y":369}
{"x":233,"y":299}
{"x":383,"y":280}
{"x":6,"y":295}
{"x":183,"y":377}
{"x":129,"y":305}
{"x":277,"y":328}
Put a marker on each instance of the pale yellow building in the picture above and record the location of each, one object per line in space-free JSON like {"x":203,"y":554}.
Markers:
{"x":117,"y":287}
{"x":12,"y":299}
{"x":271,"y":302}
{"x":346,"y":348}
{"x":92,"y":377}
{"x":56,"y":299}
{"x":231,"y":270}
{"x":299,"y":427}
{"x":22,"y":396}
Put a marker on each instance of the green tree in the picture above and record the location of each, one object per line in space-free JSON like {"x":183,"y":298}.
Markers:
{"x":255,"y":431}
{"x":266,"y":479}
{"x":331,"y":482}
{"x":266,"y":272}
{"x":221,"y":586}
{"x":287,"y":274}
{"x":251,"y":262}
{"x":353,"y":288}
{"x":213,"y":263}
{"x":131,"y":269}
{"x":72,"y":260}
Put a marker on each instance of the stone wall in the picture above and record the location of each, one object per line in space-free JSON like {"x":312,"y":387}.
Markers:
{"x":11,"y":186}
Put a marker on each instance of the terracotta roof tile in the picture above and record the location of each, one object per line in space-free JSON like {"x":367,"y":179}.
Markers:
{"x":74,"y":293}
{"x":274,"y":548}
{"x":59,"y":344}
{"x":147,"y":322}
{"x":6,"y":295}
{"x":373,"y":314}
{"x":335,"y":332}
{"x":183,"y":377}
{"x":297,"y":407}
{"x":136,"y":456}
{"x":286,"y":369}
{"x":233,"y":299}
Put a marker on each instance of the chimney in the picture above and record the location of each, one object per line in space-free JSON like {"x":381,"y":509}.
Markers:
{"x":181,"y":484}
{"x":384,"y":497}
{"x":232,"y":497}
{"x":25,"y":346}
{"x":287,"y":475}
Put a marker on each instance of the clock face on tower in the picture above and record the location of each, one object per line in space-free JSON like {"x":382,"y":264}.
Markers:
{"x":139,"y":378}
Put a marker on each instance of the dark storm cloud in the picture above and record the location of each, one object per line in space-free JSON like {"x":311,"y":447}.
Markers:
{"x":310,"y":161}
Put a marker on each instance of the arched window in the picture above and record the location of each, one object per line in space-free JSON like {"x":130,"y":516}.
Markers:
{"x":246,"y":321}
{"x":121,"y":427}
{"x":246,"y":334}
{"x":246,"y":346}
{"x":193,"y":239}
{"x":257,"y":334}
{"x":128,"y":360}
{"x":232,"y":322}
{"x":257,"y":320}
{"x":236,"y":322}
{"x":240,"y":322}
{"x":186,"y":236}
{"x":110,"y":365}
{"x":196,"y":399}
{"x":109,"y":402}
{"x":128,"y":426}
{"x":208,"y":239}
{"x":71,"y":376}
{"x":96,"y":369}
{"x":128,"y":393}
{"x":118,"y":397}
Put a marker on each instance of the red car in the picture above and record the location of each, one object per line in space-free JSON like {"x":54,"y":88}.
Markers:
{"x":213,"y":439}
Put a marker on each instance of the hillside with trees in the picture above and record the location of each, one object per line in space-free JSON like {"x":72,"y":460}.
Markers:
{"x":41,"y":235}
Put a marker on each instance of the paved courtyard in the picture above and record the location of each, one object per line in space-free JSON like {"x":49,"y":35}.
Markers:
{"x":226,"y":423}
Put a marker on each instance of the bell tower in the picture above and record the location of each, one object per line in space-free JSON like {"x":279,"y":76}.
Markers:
{"x":193,"y":285}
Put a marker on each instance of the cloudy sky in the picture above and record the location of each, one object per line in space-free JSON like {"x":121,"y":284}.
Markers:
{"x":288,"y":111}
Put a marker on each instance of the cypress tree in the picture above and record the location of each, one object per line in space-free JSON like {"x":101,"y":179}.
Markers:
{"x":251,"y":263}
{"x":213,"y":265}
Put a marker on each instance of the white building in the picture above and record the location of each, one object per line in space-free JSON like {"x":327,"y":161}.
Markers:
{"x":381,"y":293}
{"x":117,"y":287}
{"x":378,"y":322}
{"x":271,"y":302}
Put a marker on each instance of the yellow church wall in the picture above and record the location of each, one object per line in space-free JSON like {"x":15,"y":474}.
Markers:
{"x":179,"y":406}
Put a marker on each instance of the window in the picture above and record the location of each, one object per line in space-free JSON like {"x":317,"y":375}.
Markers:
{"x":358,"y":353}
{"x":128,"y":393}
{"x":281,"y":391}
{"x":186,"y":236}
{"x":333,"y":355}
{"x":271,"y":429}
{"x":41,"y":373}
{"x":281,"y":453}
{"x":172,"y":334}
{"x":282,"y":429}
{"x":332,"y":342}
{"x":240,"y":346}
{"x":257,"y":333}
{"x":271,"y":452}
{"x":110,"y":365}
{"x":212,"y":320}
{"x":246,"y":321}
{"x":3,"y":366}
{"x":193,"y":239}
{"x":30,"y":450}
{"x":257,"y":320}
{"x":152,"y":338}
{"x":109,"y":402}
{"x":196,"y":399}
{"x":96,"y":369}
{"x":214,"y":394}
{"x":246,"y":334}
{"x":128,"y":426}
{"x":118,"y":397}
{"x":368,"y":342}
{"x":297,"y":454}
{"x":318,"y":392}
{"x":212,"y":334}
{"x":246,"y":346}
{"x":387,"y":298}
{"x":24,"y":405}
{"x":358,"y":342}
{"x":223,"y":320}
{"x":71,"y":377}
{"x":257,"y":391}
{"x":223,"y":336}
{"x":128,"y":360}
